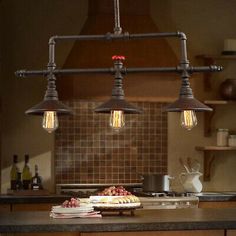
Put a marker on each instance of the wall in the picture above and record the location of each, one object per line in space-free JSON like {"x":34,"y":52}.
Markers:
{"x":206,"y":24}
{"x":25,"y":31}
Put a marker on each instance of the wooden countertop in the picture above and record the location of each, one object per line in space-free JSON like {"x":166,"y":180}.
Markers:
{"x":144,"y":220}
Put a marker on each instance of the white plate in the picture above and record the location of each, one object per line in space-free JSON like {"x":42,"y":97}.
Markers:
{"x":117,"y":206}
{"x":72,"y":210}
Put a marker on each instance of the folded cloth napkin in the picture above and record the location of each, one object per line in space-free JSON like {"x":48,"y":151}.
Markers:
{"x":82,"y":211}
{"x":92,"y":214}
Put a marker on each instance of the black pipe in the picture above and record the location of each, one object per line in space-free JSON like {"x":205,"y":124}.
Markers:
{"x":117,"y":28}
{"x":178,"y":69}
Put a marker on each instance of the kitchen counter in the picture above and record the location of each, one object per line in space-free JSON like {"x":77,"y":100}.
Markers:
{"x":55,"y":198}
{"x":143,"y":220}
{"x":52,"y":198}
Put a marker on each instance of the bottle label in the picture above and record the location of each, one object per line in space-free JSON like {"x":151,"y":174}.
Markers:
{"x":35,"y":187}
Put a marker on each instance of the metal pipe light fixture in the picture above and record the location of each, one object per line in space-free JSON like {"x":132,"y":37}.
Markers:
{"x":117,"y":106}
{"x":187,"y":105}
{"x":50,"y":107}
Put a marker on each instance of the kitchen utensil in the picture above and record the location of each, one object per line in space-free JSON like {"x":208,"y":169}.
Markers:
{"x":196,"y":166}
{"x":182,"y":163}
{"x":156,"y":183}
{"x":189,"y":164}
{"x":191,"y":182}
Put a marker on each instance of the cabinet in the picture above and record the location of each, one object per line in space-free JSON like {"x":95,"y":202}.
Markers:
{"x":5,"y":207}
{"x":161,"y":233}
{"x":231,"y":232}
{"x":220,"y":204}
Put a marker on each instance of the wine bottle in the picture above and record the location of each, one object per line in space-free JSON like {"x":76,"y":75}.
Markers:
{"x":18,"y":181}
{"x":36,"y":182}
{"x":26,"y":174}
{"x":14,"y":172}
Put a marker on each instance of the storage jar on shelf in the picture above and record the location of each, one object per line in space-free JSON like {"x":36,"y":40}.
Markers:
{"x":222,"y":137}
{"x":232,"y":140}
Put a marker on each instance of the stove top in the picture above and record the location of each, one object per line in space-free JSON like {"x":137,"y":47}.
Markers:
{"x":149,"y":200}
{"x":162,"y":194}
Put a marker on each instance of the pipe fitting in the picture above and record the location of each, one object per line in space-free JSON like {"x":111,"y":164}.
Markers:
{"x":182,"y":35}
{"x":52,"y":40}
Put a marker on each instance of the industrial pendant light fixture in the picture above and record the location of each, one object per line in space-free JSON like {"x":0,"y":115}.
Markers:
{"x":186,"y":103}
{"x":50,"y":107}
{"x":117,"y":106}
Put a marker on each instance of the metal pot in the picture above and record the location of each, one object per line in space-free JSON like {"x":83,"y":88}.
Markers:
{"x":156,"y":183}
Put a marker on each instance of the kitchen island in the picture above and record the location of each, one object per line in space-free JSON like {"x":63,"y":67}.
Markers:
{"x":202,"y":221}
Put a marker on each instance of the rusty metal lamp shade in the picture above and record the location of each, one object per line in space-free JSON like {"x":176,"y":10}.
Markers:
{"x":50,"y":102}
{"x":186,"y":100}
{"x":49,"y":105}
{"x":186,"y":103}
{"x":117,"y":101}
{"x":117,"y":104}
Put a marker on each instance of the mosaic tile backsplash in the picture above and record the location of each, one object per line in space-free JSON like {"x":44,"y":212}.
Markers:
{"x":87,"y":150}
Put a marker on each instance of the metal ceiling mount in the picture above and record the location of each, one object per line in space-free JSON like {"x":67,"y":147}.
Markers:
{"x":186,"y":99}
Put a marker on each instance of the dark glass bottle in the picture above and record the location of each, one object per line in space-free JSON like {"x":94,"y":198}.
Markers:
{"x":14,"y":172}
{"x":26,"y":174}
{"x":36,"y":182}
{"x":18,"y":181}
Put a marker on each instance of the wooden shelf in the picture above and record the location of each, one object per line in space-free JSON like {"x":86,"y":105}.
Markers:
{"x":209,"y":157}
{"x":215,"y":148}
{"x":217,"y":57}
{"x":211,"y":60}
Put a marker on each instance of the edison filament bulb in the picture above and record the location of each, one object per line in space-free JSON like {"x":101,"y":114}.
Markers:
{"x":188,"y":119}
{"x":50,"y":121}
{"x":117,"y":119}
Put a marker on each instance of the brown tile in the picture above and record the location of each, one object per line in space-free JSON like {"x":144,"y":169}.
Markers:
{"x":87,"y":150}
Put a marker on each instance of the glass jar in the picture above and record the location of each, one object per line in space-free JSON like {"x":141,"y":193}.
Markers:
{"x":222,"y":137}
{"x":232,"y":140}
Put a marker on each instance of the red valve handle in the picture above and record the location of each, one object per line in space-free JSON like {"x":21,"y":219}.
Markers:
{"x":115,"y":57}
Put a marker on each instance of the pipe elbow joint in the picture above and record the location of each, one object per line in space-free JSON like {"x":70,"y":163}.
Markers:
{"x":182,"y":35}
{"x":52,"y":39}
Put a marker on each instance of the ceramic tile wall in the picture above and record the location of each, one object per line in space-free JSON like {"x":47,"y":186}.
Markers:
{"x":87,"y":150}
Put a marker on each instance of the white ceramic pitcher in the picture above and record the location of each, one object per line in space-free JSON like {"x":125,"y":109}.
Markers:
{"x":191,"y":182}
